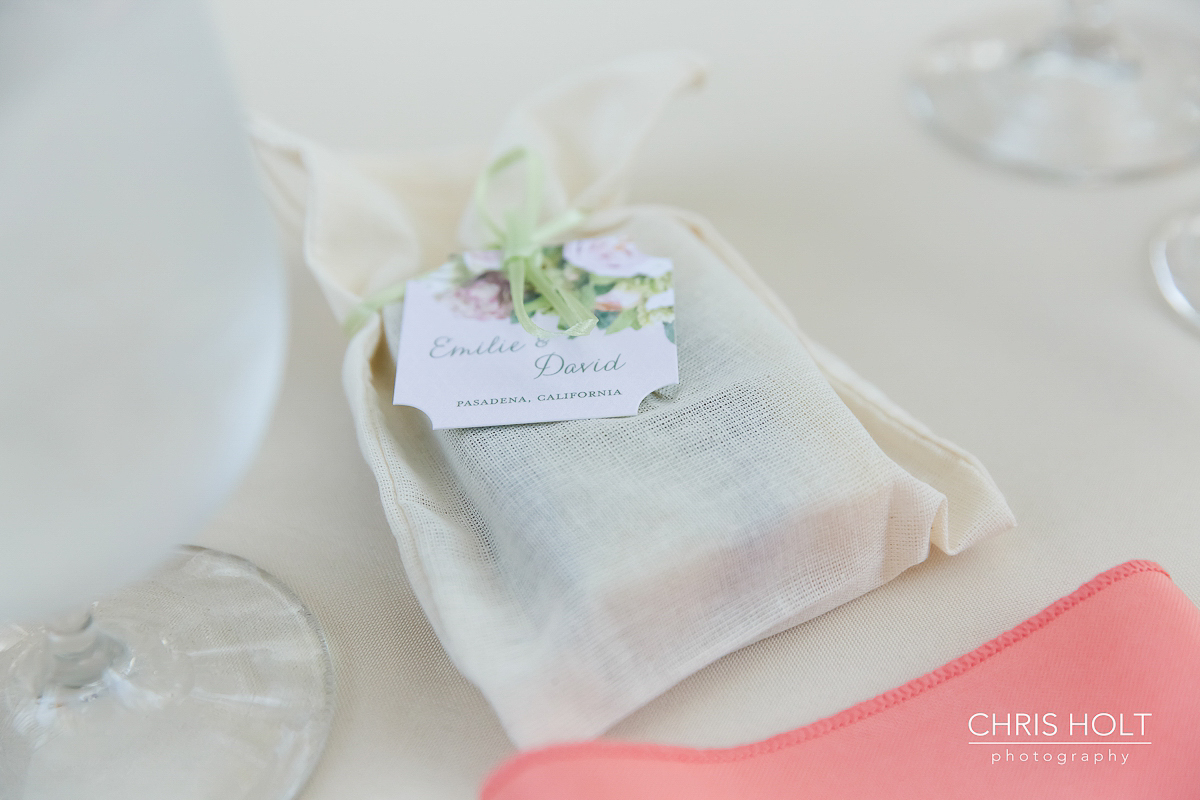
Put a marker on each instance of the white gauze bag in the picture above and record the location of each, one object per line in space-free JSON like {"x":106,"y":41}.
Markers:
{"x":575,"y":570}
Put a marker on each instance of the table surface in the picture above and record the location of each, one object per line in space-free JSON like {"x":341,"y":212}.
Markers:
{"x":1016,"y":317}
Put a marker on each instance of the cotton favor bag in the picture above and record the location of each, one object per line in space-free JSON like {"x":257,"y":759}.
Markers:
{"x":575,"y":570}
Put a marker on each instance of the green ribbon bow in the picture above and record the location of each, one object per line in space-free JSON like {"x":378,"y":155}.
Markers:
{"x":522,"y":240}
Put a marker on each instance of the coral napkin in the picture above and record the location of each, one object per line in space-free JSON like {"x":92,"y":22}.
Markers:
{"x":1098,"y":696}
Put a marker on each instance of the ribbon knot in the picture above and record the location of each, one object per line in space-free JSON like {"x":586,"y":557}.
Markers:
{"x":522,"y":241}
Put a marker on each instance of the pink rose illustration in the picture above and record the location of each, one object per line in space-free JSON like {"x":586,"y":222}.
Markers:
{"x":613,"y":257}
{"x":479,"y":261}
{"x":485,"y":298}
{"x":618,"y":300}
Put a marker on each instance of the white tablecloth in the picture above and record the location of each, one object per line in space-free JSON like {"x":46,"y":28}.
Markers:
{"x":1016,"y":317}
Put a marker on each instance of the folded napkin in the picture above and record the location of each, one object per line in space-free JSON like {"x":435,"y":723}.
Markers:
{"x":575,"y":570}
{"x":1109,"y":672}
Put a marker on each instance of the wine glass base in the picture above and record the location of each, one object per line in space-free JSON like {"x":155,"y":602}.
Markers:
{"x":228,"y":695}
{"x":1175,"y":259}
{"x":1112,"y":103}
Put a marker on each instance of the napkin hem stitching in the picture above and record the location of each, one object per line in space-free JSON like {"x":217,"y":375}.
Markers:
{"x":842,"y":719}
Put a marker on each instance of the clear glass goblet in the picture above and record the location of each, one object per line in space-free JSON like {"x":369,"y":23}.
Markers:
{"x":1175,"y":259}
{"x":142,"y":333}
{"x":1081,"y":97}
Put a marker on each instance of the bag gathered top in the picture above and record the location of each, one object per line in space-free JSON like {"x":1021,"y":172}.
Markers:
{"x":575,"y":570}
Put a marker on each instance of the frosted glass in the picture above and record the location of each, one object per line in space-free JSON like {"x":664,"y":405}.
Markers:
{"x":141,"y":299}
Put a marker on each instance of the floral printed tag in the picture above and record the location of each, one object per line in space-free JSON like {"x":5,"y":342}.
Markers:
{"x":465,"y":361}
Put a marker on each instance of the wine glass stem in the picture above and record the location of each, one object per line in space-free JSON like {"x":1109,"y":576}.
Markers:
{"x":79,"y":652}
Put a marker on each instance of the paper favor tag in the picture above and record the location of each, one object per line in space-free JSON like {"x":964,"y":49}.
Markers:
{"x":465,"y":361}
